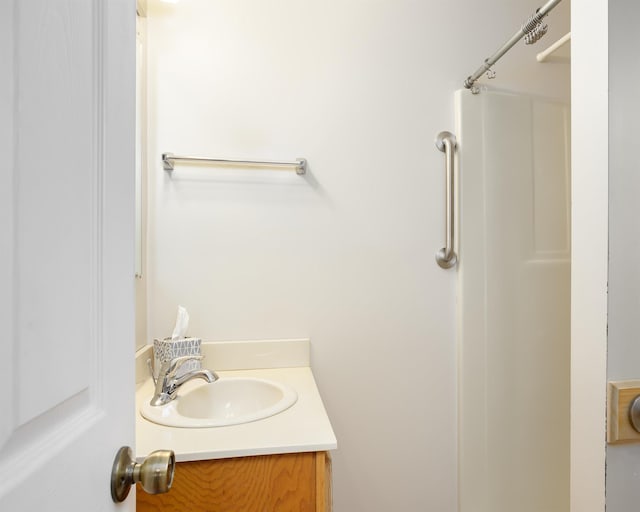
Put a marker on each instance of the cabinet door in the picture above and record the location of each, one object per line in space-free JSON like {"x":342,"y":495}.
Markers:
{"x":295,"y":482}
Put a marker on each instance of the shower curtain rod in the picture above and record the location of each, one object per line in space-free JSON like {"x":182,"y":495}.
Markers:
{"x":532,"y":29}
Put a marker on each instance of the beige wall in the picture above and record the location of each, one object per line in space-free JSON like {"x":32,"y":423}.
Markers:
{"x":345,"y":255}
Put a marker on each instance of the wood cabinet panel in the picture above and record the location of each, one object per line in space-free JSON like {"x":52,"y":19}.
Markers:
{"x":295,"y":482}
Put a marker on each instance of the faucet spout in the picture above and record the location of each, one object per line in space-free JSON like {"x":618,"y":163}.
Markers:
{"x":168,"y":382}
{"x":209,"y":375}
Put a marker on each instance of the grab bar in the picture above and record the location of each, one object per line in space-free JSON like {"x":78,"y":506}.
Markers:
{"x":446,"y":142}
{"x":299,"y":165}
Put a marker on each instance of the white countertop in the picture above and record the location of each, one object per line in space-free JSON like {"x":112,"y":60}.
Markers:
{"x":304,"y":427}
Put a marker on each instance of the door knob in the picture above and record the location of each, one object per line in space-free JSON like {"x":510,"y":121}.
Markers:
{"x":155,"y":474}
{"x":634,"y":413}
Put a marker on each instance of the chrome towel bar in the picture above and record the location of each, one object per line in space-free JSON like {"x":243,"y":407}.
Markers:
{"x":299,"y":165}
{"x":446,"y":142}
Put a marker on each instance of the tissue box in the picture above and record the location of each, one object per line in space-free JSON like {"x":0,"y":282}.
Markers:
{"x":167,"y":349}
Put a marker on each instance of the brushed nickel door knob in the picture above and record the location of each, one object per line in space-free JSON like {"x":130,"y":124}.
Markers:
{"x":155,"y":474}
{"x":634,"y":413}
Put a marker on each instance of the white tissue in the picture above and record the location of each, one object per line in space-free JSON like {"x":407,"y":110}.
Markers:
{"x":182,"y":322}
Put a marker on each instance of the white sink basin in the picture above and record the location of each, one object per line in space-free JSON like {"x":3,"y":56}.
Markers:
{"x":228,"y":401}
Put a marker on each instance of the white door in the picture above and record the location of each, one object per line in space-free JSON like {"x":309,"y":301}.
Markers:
{"x":66,"y":250}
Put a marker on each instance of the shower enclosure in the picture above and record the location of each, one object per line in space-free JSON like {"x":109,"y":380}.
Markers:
{"x":513,"y":302}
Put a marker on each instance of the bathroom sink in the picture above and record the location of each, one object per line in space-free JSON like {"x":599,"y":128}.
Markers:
{"x":228,"y":401}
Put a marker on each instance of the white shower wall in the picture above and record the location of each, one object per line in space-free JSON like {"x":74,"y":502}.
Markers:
{"x":514,"y":302}
{"x":344,"y":255}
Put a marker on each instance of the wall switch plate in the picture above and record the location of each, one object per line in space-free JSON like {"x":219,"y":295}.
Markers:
{"x":620,"y":394}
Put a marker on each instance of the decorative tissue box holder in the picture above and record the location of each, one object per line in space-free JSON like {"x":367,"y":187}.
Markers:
{"x":167,"y":349}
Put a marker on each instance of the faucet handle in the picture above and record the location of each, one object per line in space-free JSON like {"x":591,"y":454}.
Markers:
{"x":171,"y":366}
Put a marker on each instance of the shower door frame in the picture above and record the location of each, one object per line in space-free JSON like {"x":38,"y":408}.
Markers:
{"x":589,"y":261}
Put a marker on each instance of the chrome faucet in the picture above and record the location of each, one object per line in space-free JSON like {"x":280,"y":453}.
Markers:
{"x":168,"y":382}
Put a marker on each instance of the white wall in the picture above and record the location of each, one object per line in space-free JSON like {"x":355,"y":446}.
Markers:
{"x":345,"y":255}
{"x":623,"y":462}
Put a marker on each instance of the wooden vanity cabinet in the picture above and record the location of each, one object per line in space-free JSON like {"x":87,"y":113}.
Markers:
{"x":293,"y":482}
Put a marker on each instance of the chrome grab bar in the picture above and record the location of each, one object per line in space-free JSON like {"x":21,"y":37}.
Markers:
{"x":446,"y":142}
{"x":299,"y":165}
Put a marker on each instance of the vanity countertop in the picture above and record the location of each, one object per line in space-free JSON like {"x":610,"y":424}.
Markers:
{"x":304,"y":427}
